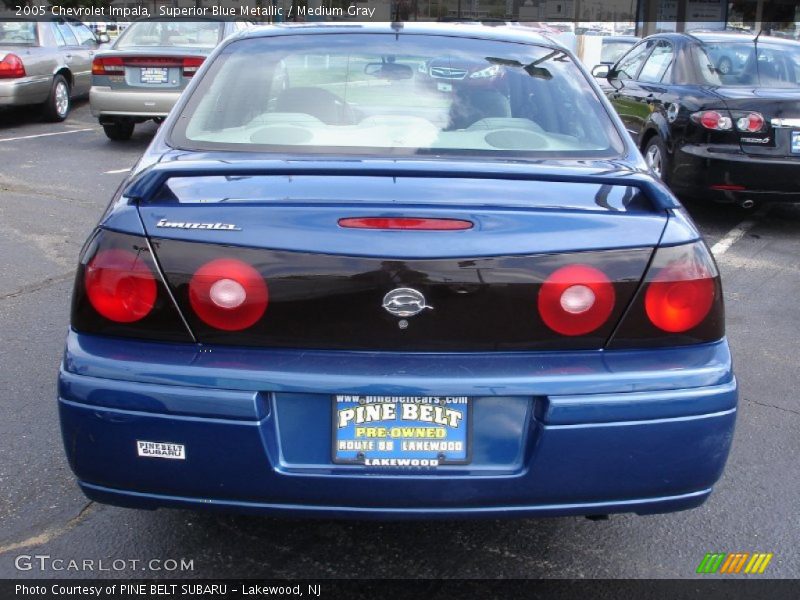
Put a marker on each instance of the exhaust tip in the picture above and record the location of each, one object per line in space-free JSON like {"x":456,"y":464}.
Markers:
{"x":747,"y":203}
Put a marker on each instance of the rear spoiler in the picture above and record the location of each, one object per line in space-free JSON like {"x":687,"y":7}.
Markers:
{"x":147,"y":183}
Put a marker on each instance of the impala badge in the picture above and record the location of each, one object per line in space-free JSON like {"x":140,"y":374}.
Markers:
{"x":404,"y":302}
{"x":188,"y":225}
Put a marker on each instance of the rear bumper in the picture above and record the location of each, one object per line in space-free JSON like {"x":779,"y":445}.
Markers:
{"x":698,"y":168}
{"x":108,"y":102}
{"x":24,"y":91}
{"x":589,"y":433}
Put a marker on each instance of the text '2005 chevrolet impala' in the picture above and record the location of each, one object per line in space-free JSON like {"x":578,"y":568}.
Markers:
{"x":396,"y":271}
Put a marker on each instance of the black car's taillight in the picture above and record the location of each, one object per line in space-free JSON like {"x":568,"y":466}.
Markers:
{"x":118,"y":291}
{"x":715,"y":120}
{"x":679,"y":302}
{"x":723,"y":120}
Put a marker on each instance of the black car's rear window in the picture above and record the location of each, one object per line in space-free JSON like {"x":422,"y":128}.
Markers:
{"x":386,"y":94}
{"x":749,"y":64}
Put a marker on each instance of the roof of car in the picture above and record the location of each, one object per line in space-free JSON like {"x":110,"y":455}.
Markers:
{"x":713,"y":37}
{"x":465,"y":30}
{"x":732,"y":36}
{"x":621,"y":38}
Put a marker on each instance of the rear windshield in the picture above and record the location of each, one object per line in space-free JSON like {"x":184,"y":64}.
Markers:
{"x":738,"y":64}
{"x":185,"y":34}
{"x":22,"y":34}
{"x":381,"y":94}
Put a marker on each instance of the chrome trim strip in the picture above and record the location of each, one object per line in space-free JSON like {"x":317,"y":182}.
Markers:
{"x":785,"y":123}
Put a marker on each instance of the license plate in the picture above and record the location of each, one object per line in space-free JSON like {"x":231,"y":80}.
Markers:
{"x":401,"y":431}
{"x":155,"y":75}
{"x":444,"y":87}
{"x":796,"y":142}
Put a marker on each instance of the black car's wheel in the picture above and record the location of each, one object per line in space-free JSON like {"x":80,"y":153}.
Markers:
{"x":655,"y":155}
{"x":57,"y":106}
{"x":119,"y":131}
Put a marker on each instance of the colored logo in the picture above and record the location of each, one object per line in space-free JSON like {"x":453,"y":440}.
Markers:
{"x":735,"y":562}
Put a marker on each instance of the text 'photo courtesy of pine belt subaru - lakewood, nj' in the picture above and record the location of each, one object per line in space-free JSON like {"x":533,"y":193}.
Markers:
{"x":330,"y":287}
{"x":716,"y":114}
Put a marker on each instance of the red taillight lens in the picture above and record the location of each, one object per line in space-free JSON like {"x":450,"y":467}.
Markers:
{"x":228,"y":294}
{"x":109,"y":65}
{"x":407,"y":223}
{"x":712,"y":119}
{"x":679,"y":303}
{"x":576,"y":300}
{"x":120,"y":285}
{"x":191,"y":64}
{"x":752,"y":122}
{"x":680,"y":295}
{"x":11,"y":67}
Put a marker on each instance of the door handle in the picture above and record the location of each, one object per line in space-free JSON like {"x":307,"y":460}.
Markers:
{"x":68,"y":56}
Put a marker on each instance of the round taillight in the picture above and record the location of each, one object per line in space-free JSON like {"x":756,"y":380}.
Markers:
{"x":679,"y":297}
{"x":752,"y":122}
{"x":120,"y":285}
{"x":711,"y":119}
{"x":228,"y":294}
{"x":576,"y":300}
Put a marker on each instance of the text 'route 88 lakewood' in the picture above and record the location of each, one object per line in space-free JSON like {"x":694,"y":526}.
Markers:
{"x":170,"y":590}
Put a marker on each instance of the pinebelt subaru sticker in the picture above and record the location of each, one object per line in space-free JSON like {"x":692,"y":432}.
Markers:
{"x":161,"y":450}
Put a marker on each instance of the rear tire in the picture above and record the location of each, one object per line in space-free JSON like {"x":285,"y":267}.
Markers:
{"x":656,"y":157}
{"x":56,"y":107}
{"x":119,"y":131}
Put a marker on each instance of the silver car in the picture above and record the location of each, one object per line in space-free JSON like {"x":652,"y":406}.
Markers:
{"x":47,"y":63}
{"x":141,"y":76}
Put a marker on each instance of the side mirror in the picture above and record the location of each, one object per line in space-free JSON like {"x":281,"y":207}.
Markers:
{"x":102,"y":38}
{"x":613,"y":78}
{"x":601,"y":71}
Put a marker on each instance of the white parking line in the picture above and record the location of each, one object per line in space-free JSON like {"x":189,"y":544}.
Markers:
{"x":738,"y":232}
{"x":38,"y":135}
{"x":117,"y":171}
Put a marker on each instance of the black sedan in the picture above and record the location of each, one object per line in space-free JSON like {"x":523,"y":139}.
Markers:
{"x":710,"y":128}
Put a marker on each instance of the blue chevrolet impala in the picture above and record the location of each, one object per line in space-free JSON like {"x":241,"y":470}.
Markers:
{"x":396,"y":271}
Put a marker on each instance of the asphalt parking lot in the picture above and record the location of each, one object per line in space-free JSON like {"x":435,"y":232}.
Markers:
{"x":55,"y":181}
